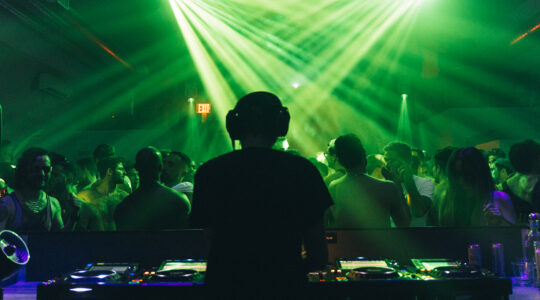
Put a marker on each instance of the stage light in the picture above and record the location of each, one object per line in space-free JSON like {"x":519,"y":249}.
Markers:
{"x":404,"y":132}
{"x":190,"y":100}
{"x":321,"y":157}
{"x":257,"y":43}
{"x":285,"y":145}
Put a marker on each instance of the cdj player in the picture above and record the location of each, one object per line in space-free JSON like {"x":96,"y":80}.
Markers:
{"x":445,"y":268}
{"x":102,"y":273}
{"x":419,"y":278}
{"x":187,"y":270}
{"x":128,"y":281}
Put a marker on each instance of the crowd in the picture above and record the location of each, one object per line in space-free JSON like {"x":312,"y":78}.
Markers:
{"x":400,"y":186}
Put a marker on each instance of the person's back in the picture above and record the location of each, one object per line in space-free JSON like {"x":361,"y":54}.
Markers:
{"x":272,"y":193}
{"x":154,"y":208}
{"x":361,"y":201}
{"x":259,"y":206}
{"x":364,"y":202}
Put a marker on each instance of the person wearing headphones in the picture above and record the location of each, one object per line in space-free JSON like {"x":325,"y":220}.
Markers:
{"x":260,"y":206}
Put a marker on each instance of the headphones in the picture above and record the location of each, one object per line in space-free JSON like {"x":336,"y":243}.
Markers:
{"x":272,"y":120}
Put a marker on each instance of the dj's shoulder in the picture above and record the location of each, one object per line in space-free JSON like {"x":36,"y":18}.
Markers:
{"x":214,"y":163}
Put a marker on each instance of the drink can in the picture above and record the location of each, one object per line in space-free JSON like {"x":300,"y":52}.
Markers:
{"x":498,"y":258}
{"x":536,"y":279}
{"x":475,"y":256}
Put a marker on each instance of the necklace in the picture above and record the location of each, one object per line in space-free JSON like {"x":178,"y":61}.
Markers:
{"x":37,"y":205}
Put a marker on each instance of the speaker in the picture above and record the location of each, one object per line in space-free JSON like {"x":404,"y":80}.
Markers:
{"x":14,"y":253}
{"x":258,"y":112}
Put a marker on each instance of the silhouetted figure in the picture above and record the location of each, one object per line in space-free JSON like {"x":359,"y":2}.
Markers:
{"x":471,"y":199}
{"x":29,"y":208}
{"x":260,"y":205}
{"x":153,"y":206}
{"x":361,"y":201}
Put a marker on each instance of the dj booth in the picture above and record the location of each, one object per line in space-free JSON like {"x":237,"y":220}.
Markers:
{"x":410,"y":263}
{"x":353,"y":278}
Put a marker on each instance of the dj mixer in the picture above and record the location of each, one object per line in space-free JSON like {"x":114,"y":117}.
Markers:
{"x":350,"y":278}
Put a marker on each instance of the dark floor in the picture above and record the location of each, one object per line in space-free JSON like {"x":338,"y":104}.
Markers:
{"x":27,"y":291}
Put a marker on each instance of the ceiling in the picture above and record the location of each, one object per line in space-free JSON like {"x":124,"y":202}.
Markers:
{"x":467,"y":43}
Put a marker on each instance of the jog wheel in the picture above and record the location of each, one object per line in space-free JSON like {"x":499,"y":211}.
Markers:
{"x":92,"y":276}
{"x":373,"y":273}
{"x":456,"y":272}
{"x":176,"y":276}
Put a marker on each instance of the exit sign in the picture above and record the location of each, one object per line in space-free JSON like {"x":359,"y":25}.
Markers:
{"x":203,"y":108}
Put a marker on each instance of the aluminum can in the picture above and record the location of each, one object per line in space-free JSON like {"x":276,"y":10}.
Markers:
{"x":536,"y":279}
{"x":475,"y":256}
{"x":498,"y":258}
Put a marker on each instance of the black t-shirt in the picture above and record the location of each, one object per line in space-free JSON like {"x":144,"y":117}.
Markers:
{"x":257,"y":203}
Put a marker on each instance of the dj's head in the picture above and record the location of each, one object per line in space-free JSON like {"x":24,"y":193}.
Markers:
{"x":258,"y":115}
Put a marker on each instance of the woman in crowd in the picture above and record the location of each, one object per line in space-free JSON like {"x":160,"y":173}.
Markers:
{"x":471,"y":198}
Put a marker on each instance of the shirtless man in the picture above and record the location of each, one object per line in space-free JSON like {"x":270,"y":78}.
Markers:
{"x":29,"y":208}
{"x":361,"y":201}
{"x":105,"y":194}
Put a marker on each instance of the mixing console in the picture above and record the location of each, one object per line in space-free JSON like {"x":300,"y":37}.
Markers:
{"x":371,"y":278}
